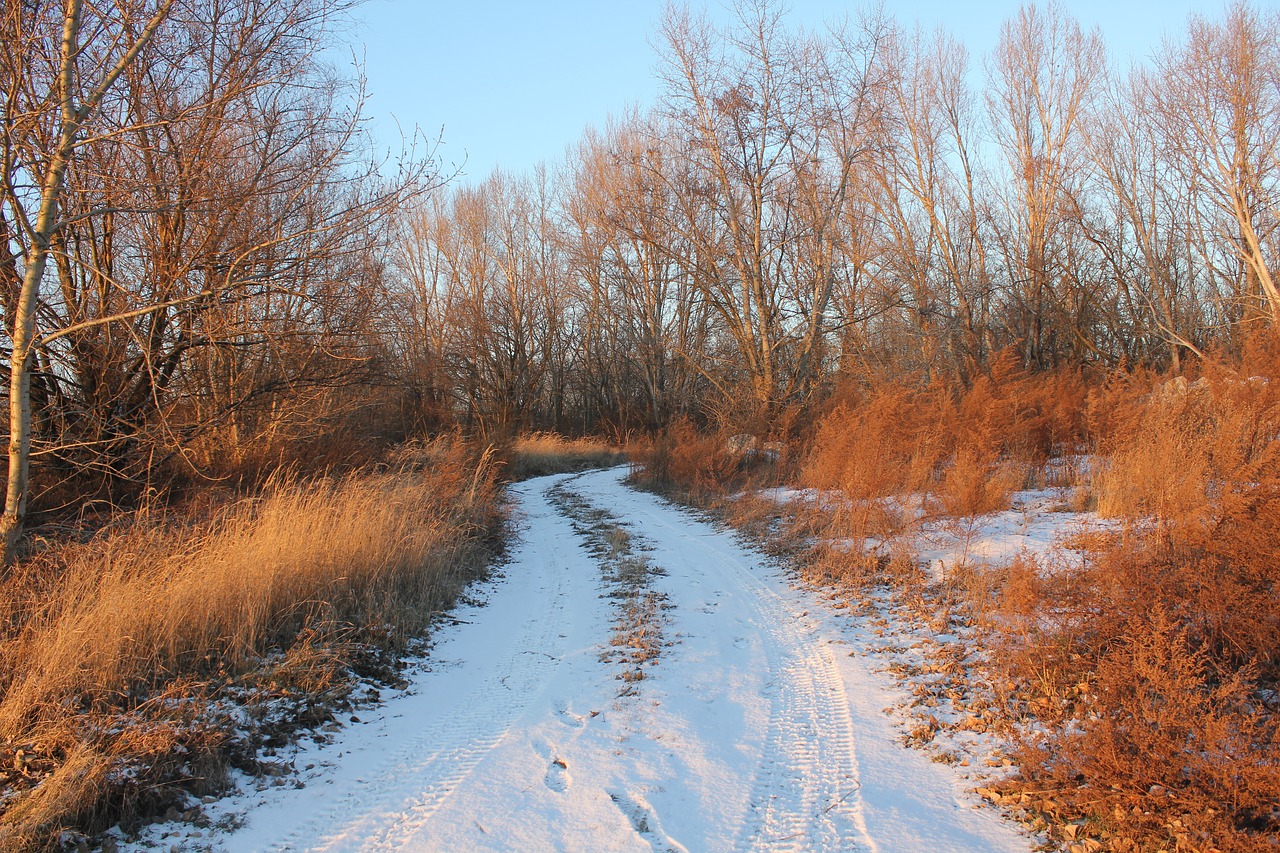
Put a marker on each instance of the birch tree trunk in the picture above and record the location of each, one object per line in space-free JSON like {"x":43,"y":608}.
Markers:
{"x":69,"y":118}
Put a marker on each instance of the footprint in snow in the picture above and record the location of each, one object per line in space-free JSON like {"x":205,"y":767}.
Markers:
{"x":557,"y":777}
{"x":567,"y":717}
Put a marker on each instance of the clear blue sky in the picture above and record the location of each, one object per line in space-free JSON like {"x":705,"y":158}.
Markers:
{"x":514,"y":83}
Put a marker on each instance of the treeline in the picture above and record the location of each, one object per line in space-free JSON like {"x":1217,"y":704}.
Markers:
{"x":801,"y":205}
{"x":205,"y":273}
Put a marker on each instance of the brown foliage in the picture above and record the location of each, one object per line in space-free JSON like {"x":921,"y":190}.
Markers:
{"x":1156,"y":665}
{"x":695,"y":463}
{"x":1168,"y":750}
{"x":968,"y":447}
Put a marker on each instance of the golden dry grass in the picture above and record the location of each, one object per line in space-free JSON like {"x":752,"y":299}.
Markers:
{"x":159,"y":608}
{"x":542,"y":453}
{"x":957,"y":449}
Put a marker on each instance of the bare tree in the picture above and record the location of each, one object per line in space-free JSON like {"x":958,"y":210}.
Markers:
{"x":1216,"y":100}
{"x":1043,"y":74}
{"x":924,"y":190}
{"x":644,"y":330}
{"x":214,"y":264}
{"x":770,"y":146}
{"x":1140,"y":225}
{"x":502,"y":312}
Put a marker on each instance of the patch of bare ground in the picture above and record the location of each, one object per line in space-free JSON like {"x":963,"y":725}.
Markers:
{"x":639,"y":610}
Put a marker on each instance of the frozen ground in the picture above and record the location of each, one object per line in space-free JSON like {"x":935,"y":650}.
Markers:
{"x":761,"y":723}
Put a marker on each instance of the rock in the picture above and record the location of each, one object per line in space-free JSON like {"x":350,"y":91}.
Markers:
{"x":742,"y":444}
{"x":748,"y":448}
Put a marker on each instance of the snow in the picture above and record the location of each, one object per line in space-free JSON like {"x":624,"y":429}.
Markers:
{"x":762,"y":723}
{"x":1036,"y":525}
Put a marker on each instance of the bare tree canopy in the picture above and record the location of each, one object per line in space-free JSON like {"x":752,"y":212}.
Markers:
{"x":202,"y":265}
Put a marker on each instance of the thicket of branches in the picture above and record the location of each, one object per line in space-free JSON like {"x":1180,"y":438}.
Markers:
{"x":192,"y":235}
{"x":801,"y":205}
{"x":231,"y":282}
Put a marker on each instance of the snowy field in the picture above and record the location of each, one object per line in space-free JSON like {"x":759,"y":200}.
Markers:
{"x":759,"y":723}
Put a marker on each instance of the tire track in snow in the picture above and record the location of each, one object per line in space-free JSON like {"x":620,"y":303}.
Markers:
{"x":384,"y":810}
{"x":805,"y":794}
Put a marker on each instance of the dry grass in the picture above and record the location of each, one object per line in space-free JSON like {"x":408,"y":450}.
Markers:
{"x":953,"y":449}
{"x":545,"y":453}
{"x":1155,"y":667}
{"x":134,"y":631}
{"x":689,"y":462}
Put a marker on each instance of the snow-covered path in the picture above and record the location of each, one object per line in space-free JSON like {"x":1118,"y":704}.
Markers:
{"x":755,"y":728}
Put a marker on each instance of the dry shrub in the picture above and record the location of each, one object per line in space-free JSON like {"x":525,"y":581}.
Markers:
{"x":977,"y":482}
{"x":160,"y":609}
{"x":1172,"y":752}
{"x":690,"y":462}
{"x":1156,"y":668}
{"x":1170,"y":445}
{"x":1156,"y":665}
{"x":890,"y":451}
{"x":72,"y":794}
{"x":968,"y":446}
{"x":1156,"y":451}
{"x":868,"y":448}
{"x":896,"y":568}
{"x":1012,"y":413}
{"x":329,"y":427}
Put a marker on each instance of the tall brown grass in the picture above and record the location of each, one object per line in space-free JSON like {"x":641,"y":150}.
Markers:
{"x":959,"y":449}
{"x":689,"y":462}
{"x":136,"y":630}
{"x":1156,"y":665}
{"x":542,"y":453}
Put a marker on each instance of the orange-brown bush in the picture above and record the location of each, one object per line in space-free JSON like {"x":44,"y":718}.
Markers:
{"x":1154,"y":669}
{"x":967,"y":447}
{"x":1167,"y":750}
{"x":1156,"y":665}
{"x":697,"y":464}
{"x":136,"y":630}
{"x":1169,"y":444}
